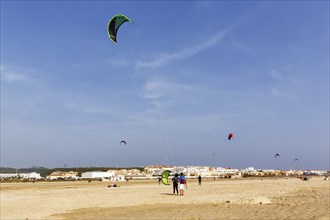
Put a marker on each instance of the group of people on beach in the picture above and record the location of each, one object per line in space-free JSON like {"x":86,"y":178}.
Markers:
{"x":179,"y":182}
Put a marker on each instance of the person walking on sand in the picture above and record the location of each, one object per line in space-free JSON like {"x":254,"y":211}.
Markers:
{"x":175,"y":181}
{"x":199,"y":180}
{"x":183,"y":183}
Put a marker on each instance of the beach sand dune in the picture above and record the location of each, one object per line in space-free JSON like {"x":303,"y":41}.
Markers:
{"x":288,"y":198}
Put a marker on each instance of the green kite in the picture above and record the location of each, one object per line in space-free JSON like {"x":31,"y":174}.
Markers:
{"x":165,"y":175}
{"x":114,"y":24}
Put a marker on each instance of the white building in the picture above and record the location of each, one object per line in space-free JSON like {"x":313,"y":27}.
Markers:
{"x":32,"y":175}
{"x":98,"y":175}
{"x":198,"y":170}
{"x":225,"y":171}
{"x":63,"y":175}
{"x":120,"y":178}
{"x":156,"y":170}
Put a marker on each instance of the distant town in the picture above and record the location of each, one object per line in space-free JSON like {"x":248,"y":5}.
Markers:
{"x":154,"y":172}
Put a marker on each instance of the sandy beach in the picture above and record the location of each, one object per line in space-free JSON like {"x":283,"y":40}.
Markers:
{"x":286,"y":198}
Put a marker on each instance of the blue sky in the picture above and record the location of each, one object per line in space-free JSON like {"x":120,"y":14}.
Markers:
{"x":179,"y":80}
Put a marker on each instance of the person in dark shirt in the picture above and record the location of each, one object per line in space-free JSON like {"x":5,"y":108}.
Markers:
{"x":175,"y":181}
{"x":199,"y":180}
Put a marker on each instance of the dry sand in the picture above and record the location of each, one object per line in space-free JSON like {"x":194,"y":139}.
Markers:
{"x":214,"y":199}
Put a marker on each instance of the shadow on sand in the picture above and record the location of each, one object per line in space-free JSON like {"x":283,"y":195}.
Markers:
{"x":168,"y":194}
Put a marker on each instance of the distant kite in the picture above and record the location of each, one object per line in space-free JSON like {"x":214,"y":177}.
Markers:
{"x":114,"y":24}
{"x":230,"y":136}
{"x":124,"y":142}
{"x":277,"y":155}
{"x":296,"y":159}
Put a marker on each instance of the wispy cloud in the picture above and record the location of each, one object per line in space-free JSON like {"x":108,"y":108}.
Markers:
{"x":275,"y":92}
{"x":283,"y":79}
{"x":283,"y":74}
{"x":19,"y":74}
{"x":86,"y":109}
{"x":184,"y":53}
{"x":158,"y":89}
{"x":164,"y":93}
{"x":12,"y":76}
{"x":278,"y":93}
{"x":119,"y":61}
{"x":276,"y":75}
